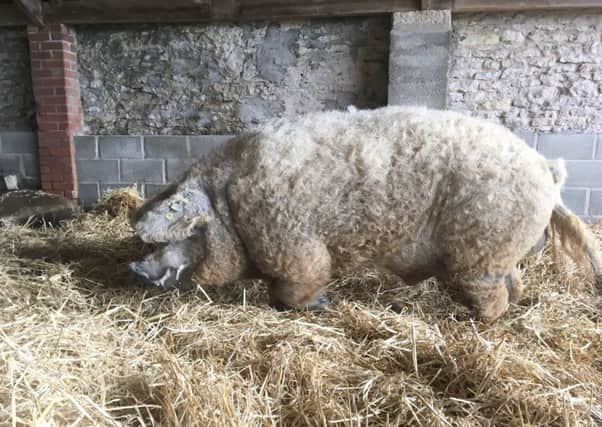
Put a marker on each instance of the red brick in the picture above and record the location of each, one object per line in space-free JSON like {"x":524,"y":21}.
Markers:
{"x":40,"y":54}
{"x":73,"y":101}
{"x":60,"y":108}
{"x":62,"y":36}
{"x":53,"y":115}
{"x":36,"y":72}
{"x":35,"y":46}
{"x":55,"y":45}
{"x":53,"y":63}
{"x":43,"y":109}
{"x":44,"y":91}
{"x":70,"y":56}
{"x":59,"y":111}
{"x":60,"y":151}
{"x":58,"y":28}
{"x":47,"y":125}
{"x":59,"y":90}
{"x":73,"y":94}
{"x":49,"y":82}
{"x":71,"y":83}
{"x":52,"y":100}
{"x":54,"y":136}
{"x":59,"y":117}
{"x":39,"y":36}
{"x":71,"y":75}
{"x":49,"y":138}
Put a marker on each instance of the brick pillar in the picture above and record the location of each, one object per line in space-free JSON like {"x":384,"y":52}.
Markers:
{"x":58,"y":105}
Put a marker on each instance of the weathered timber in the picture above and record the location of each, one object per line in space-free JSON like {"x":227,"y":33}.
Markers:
{"x":33,"y":10}
{"x":133,"y":11}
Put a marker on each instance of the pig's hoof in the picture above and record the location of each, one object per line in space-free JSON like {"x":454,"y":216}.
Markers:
{"x":279,"y":306}
{"x":170,"y":279}
{"x":320,"y":303}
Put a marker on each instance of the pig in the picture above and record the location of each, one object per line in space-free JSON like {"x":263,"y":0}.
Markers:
{"x":419,"y":192}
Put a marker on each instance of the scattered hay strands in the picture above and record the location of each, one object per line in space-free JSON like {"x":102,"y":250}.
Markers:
{"x":82,"y":344}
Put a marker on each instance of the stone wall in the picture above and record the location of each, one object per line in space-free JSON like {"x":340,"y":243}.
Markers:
{"x":219,"y":79}
{"x":538,"y":71}
{"x":16,"y":100}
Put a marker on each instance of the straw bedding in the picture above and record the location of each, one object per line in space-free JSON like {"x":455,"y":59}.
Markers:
{"x":81,"y":343}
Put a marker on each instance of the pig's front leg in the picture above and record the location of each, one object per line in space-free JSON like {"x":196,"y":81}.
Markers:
{"x":172,"y":265}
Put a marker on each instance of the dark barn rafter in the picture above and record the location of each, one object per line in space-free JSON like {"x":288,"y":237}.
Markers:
{"x":36,"y":12}
{"x":32,"y":10}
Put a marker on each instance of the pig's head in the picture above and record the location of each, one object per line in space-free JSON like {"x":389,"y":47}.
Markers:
{"x":173,"y":215}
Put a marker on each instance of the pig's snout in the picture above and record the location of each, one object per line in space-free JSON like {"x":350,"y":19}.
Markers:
{"x":165,"y":278}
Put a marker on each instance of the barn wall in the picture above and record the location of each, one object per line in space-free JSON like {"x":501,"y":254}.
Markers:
{"x":17,"y":110}
{"x":219,"y":79}
{"x":18,"y":148}
{"x":539,"y":74}
{"x":106,"y":162}
{"x":538,"y":71}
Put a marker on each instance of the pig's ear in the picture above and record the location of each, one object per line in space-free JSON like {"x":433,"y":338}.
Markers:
{"x":175,"y":218}
{"x":153,"y":203}
{"x":196,"y":202}
{"x":191,"y":209}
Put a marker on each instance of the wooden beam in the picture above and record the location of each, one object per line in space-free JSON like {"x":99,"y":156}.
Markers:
{"x":225,"y":9}
{"x":87,"y":11}
{"x":286,"y":9}
{"x":166,"y":11}
{"x":437,"y":4}
{"x":33,"y":10}
{"x":128,"y":11}
{"x":460,"y":6}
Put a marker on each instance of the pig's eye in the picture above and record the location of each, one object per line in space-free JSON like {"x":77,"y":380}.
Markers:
{"x":176,"y":206}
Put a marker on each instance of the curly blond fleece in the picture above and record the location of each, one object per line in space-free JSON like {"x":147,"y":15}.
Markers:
{"x":416,"y":191}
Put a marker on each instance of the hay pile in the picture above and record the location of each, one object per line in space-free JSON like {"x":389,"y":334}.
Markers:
{"x":81,"y":343}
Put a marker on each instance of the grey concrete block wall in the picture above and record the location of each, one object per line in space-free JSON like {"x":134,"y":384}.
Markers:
{"x":151,"y":162}
{"x":19,"y":156}
{"x":108,"y":162}
{"x":583,"y":189}
{"x":595,"y":203}
{"x":419,"y":58}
